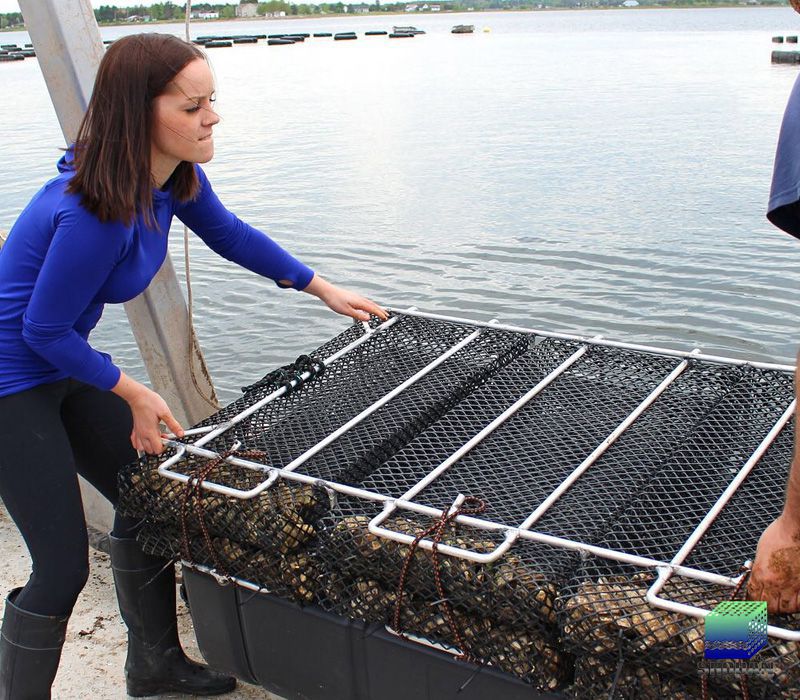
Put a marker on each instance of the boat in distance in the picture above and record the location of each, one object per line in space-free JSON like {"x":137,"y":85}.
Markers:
{"x":407,"y":30}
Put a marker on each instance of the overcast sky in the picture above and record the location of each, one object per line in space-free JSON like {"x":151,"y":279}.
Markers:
{"x":13,"y":5}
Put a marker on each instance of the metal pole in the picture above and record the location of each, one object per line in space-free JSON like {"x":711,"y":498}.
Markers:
{"x":67,"y":41}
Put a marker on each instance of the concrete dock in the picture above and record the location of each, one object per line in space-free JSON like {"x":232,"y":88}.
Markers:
{"x":94,"y":653}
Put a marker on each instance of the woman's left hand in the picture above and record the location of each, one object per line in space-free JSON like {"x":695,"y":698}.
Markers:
{"x":343,"y":301}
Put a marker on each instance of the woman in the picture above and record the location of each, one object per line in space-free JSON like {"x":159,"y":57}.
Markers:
{"x":97,"y":234}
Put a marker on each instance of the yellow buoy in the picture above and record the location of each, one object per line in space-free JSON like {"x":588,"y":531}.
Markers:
{"x":487,"y":29}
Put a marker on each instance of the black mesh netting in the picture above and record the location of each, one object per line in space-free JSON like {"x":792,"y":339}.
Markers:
{"x":545,"y":614}
{"x":281,"y":431}
{"x":655,"y":653}
{"x":627,"y":648}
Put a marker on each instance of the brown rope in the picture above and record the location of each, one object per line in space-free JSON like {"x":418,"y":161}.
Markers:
{"x":194,"y":492}
{"x":742,"y":581}
{"x":745,"y":571}
{"x":471,"y":506}
{"x":743,"y":680}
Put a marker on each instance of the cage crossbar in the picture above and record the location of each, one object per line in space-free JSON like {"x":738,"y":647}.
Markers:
{"x":165,"y":469}
{"x":600,"y":450}
{"x":239,"y":417}
{"x":666,"y":573}
{"x":375,"y":525}
{"x":376,"y":528}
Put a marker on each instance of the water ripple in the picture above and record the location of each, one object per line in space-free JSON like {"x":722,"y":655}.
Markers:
{"x":587,"y":172}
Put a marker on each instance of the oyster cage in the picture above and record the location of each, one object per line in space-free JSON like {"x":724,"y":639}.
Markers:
{"x":563,"y":509}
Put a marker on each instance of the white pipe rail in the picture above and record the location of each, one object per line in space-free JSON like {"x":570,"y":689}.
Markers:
{"x":552,"y":498}
{"x":665,"y":573}
{"x":322,"y":444}
{"x":214,"y":431}
{"x":665,"y":569}
{"x":375,"y":524}
{"x":716,"y":359}
{"x":250,"y":410}
{"x":600,"y":450}
{"x":435,"y":513}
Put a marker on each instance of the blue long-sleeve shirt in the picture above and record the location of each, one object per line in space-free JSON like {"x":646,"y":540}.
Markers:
{"x":783,"y":209}
{"x":61,"y":265}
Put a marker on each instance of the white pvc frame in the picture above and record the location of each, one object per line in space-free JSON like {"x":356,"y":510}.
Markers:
{"x":664,"y":569}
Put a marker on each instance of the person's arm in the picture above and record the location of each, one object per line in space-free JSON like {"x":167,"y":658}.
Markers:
{"x":233,"y":239}
{"x":775,"y":577}
{"x":80,"y":258}
{"x":239,"y":242}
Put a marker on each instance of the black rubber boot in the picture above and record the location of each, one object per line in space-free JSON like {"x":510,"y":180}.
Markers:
{"x":156,"y":663}
{"x":30,"y":649}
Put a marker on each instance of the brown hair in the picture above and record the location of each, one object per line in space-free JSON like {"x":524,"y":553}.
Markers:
{"x":112,"y":149}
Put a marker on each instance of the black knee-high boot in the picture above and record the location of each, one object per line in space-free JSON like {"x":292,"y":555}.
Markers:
{"x":156,"y":663}
{"x":30,"y":649}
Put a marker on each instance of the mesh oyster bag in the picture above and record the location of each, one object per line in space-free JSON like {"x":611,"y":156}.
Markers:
{"x":478,"y":489}
{"x":512,"y":471}
{"x":280,"y":519}
{"x":500,"y":613}
{"x":627,"y":647}
{"x":632,"y":649}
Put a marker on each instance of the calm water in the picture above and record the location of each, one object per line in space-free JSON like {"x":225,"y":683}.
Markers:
{"x":599,"y":172}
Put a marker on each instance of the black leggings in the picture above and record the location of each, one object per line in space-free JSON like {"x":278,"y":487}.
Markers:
{"x":49,"y":435}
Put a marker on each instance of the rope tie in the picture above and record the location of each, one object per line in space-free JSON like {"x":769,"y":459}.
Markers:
{"x":290,"y":376}
{"x":194,"y":492}
{"x":471,"y":506}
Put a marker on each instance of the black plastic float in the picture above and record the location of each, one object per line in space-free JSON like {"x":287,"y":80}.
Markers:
{"x":306,"y":653}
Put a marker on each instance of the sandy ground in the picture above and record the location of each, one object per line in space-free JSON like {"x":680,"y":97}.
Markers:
{"x":94,"y":653}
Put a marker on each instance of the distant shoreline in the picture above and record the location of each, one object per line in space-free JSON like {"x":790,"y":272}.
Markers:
{"x":414,"y":16}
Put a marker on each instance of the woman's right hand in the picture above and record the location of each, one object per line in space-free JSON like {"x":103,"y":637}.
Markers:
{"x":149,"y":410}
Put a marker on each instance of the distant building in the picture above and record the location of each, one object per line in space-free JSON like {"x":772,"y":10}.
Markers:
{"x":247,"y":9}
{"x":280,"y":13}
{"x":360,"y":9}
{"x":630,"y":3}
{"x":205,"y":15}
{"x":436,"y":8}
{"x":411,"y":8}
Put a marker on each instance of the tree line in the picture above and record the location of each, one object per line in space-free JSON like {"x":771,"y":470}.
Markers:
{"x":170,"y":11}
